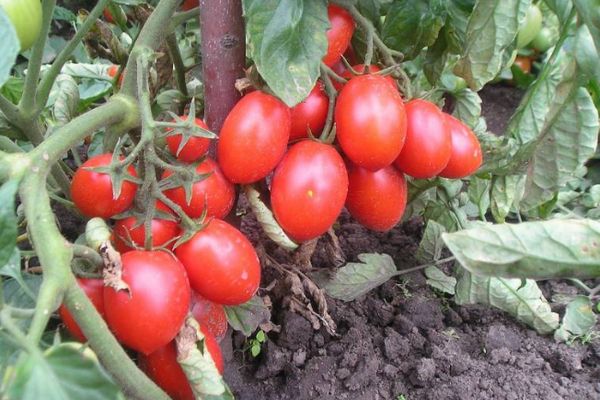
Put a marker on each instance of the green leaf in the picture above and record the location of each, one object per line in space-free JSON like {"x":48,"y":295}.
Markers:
{"x":356,"y":279}
{"x":248,"y":316}
{"x":286,"y":40}
{"x":562,"y":8}
{"x":506,"y":193}
{"x":537,"y":250}
{"x":468,"y":107}
{"x":65,"y":371}
{"x":65,"y":94}
{"x":8,"y":220}
{"x":578,"y":321}
{"x":521,"y":299}
{"x":457,"y":23}
{"x":260,"y":336}
{"x":437,"y":279}
{"x":412,"y":25}
{"x":255,"y":349}
{"x":589,"y":12}
{"x":9,"y":46}
{"x":586,"y":53}
{"x":479,"y":194}
{"x":491,"y":31}
{"x":431,"y":246}
{"x":436,"y":58}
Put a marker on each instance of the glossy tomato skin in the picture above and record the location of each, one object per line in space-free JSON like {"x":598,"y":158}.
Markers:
{"x":371,"y":121}
{"x":216,"y":190}
{"x":428,"y":143}
{"x":309,"y":189}
{"x":221,"y":264}
{"x":26,"y":17}
{"x":195,"y":147}
{"x":189,"y":4}
{"x":310,"y":114}
{"x":92,"y":192}
{"x":339,"y":35}
{"x":94,"y":289}
{"x":360,"y":69}
{"x":150,"y":314}
{"x":466,"y":155}
{"x":253,"y":138}
{"x":376,"y":199}
{"x":130,"y":229}
{"x":211,"y":316}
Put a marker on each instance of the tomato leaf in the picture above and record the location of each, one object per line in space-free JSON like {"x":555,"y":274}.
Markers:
{"x":437,"y":279}
{"x":9,"y":46}
{"x":479,"y":194}
{"x":468,"y":108}
{"x":286,"y":40}
{"x":65,"y":98}
{"x":412,"y":25}
{"x":536,"y":250}
{"x":522,"y":299}
{"x":490,"y":34}
{"x":64,"y":372}
{"x":589,"y":12}
{"x":431,"y":246}
{"x":356,"y":279}
{"x":248,"y":316}
{"x":506,"y":194}
{"x":8,"y":220}
{"x":579,"y":319}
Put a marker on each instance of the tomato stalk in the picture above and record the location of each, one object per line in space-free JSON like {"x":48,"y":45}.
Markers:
{"x":328,"y":135}
{"x":175,"y":55}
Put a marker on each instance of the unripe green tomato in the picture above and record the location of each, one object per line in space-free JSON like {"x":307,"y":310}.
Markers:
{"x":26,"y":17}
{"x":544,"y":40}
{"x":530,"y":28}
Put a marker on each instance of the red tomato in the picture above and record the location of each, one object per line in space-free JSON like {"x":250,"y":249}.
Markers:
{"x":94,"y":289}
{"x":310,"y":114}
{"x":189,"y":4}
{"x":195,"y":147}
{"x":360,"y":68}
{"x":339,"y":35}
{"x":215,"y":192}
{"x":428,"y":143}
{"x":523,"y":63}
{"x":254,"y":137}
{"x":376,"y":199}
{"x":92,"y":192}
{"x":162,"y":367}
{"x":221,"y":263}
{"x":150,"y":314}
{"x":466,"y":151}
{"x":211,"y":316}
{"x":309,"y":189}
{"x":131,"y":229}
{"x":112,"y":72}
{"x":108,"y":16}
{"x":371,"y":121}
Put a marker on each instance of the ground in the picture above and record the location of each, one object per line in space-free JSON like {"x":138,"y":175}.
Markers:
{"x":404,"y":339}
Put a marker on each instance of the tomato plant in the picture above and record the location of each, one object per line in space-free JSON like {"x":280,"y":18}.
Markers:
{"x":221,"y":263}
{"x":93,"y":192}
{"x":148,"y":314}
{"x":339,"y":35}
{"x":466,"y":155}
{"x":308,"y":190}
{"x":193,"y":149}
{"x":94,"y":289}
{"x":371,"y":121}
{"x":310,"y":114}
{"x":428,"y":142}
{"x":26,"y":17}
{"x":253,"y":138}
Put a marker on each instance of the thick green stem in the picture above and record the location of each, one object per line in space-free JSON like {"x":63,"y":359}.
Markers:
{"x":88,"y":253}
{"x":133,"y":381}
{"x":9,"y":146}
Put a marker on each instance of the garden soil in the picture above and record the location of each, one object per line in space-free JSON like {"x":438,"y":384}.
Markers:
{"x":405,"y":341}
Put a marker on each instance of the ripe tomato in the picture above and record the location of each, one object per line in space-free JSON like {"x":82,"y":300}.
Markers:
{"x":360,"y":68}
{"x":26,"y":18}
{"x":131,"y":229}
{"x":376,"y":199}
{"x":310,"y":114}
{"x":211,"y":316}
{"x":309,"y":189}
{"x":466,"y":151}
{"x":112,"y":72}
{"x":253,"y":138}
{"x":108,"y":16}
{"x":428,"y":143}
{"x":195,"y":147}
{"x":189,"y":4}
{"x":221,"y":263}
{"x":530,"y":27}
{"x":162,"y":367}
{"x":339,"y":35}
{"x":151,"y":312}
{"x":523,"y":63}
{"x":92,"y":191}
{"x":94,"y":289}
{"x":215,"y":192}
{"x":371,"y":121}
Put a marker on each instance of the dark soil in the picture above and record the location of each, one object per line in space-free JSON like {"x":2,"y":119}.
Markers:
{"x":403,"y":339}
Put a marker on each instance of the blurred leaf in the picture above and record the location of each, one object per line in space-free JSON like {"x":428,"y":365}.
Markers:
{"x":521,"y":299}
{"x":431,"y":245}
{"x":356,"y":279}
{"x":479,"y":194}
{"x":589,"y":12}
{"x":437,"y":279}
{"x":505,"y":195}
{"x":586,"y":53}
{"x":65,"y":93}
{"x":559,"y":248}
{"x":248,"y":316}
{"x":468,"y":107}
{"x":286,"y":40}
{"x":578,"y":321}
{"x":8,"y":220}
{"x":9,"y":46}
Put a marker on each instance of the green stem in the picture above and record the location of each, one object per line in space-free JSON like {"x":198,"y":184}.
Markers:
{"x":27,"y":103}
{"x":182,"y":17}
{"x":88,"y":253}
{"x":9,"y":146}
{"x":177,"y":63}
{"x":331,"y":94}
{"x":134,"y":382}
{"x":423,"y":266}
{"x":10,"y":110}
{"x":50,"y":76}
